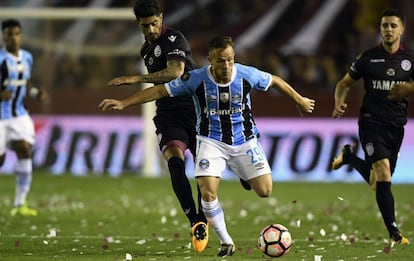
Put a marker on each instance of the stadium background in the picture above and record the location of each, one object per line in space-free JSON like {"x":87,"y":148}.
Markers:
{"x":308,"y":43}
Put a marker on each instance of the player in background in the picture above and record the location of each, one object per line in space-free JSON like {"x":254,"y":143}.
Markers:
{"x":167,"y":55}
{"x":16,"y":126}
{"x":381,"y":120}
{"x":227,"y":134}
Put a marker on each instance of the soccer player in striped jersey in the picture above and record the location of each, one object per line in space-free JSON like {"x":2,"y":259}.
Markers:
{"x":16,"y":126}
{"x":227,"y":133}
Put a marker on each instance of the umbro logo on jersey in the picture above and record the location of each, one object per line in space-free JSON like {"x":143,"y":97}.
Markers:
{"x":172,"y":38}
{"x":377,"y":60}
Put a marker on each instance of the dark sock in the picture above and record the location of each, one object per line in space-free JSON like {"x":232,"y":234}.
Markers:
{"x":182,"y":188}
{"x":385,"y":201}
{"x":363,"y":168}
{"x":201,"y":216}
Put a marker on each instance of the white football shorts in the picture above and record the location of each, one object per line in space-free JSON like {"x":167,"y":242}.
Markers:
{"x":246,"y":161}
{"x":18,"y":128}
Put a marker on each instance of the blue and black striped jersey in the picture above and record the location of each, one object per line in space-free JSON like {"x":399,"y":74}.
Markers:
{"x":224,"y":110}
{"x":14,"y":75}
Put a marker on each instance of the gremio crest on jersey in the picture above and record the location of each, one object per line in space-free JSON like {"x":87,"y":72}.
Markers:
{"x":406,"y":65}
{"x":224,"y":97}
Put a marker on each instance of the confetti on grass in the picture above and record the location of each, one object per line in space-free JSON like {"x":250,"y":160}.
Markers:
{"x":128,"y":256}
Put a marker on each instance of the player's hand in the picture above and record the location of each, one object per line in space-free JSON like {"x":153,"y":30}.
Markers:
{"x":306,"y":105}
{"x":123,"y":80}
{"x":399,"y":90}
{"x":111,"y":104}
{"x":339,"y":110}
{"x":6,"y":95}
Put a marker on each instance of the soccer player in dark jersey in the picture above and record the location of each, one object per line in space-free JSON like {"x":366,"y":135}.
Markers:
{"x":381,"y":120}
{"x":167,"y":55}
{"x":227,"y":134}
{"x":16,"y":126}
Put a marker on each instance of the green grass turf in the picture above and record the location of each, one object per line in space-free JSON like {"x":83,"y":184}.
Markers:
{"x":103,"y":218}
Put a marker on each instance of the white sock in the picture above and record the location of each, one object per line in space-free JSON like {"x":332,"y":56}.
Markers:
{"x":23,"y":181}
{"x":215,"y":217}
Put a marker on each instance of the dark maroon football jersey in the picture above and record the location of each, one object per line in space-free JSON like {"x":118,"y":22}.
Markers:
{"x":380,"y":70}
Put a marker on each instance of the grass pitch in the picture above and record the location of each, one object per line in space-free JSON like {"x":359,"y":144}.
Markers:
{"x":104,"y":218}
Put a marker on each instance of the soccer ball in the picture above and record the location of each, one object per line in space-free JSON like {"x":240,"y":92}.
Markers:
{"x":275,"y":240}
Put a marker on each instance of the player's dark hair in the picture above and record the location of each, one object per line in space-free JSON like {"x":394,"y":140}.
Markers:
{"x":393,"y":12}
{"x":9,"y":23}
{"x":220,"y":42}
{"x":146,"y":8}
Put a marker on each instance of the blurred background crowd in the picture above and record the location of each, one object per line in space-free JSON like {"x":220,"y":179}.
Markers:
{"x":309,"y":43}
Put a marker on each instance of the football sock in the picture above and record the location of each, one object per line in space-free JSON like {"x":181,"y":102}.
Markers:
{"x":363,"y":168}
{"x":385,"y":201}
{"x":215,"y":217}
{"x":200,"y":207}
{"x":23,"y":181}
{"x":182,"y":188}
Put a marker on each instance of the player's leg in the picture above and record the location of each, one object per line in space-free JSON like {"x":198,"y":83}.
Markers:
{"x":384,"y":156}
{"x":21,"y":134}
{"x":215,"y":214}
{"x":209,"y":165}
{"x":174,"y":154}
{"x":244,"y":163}
{"x":347,"y":156}
{"x":23,"y":173}
{"x":385,"y":199}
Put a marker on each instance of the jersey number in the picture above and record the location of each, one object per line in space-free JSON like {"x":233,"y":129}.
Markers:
{"x":255,"y":154}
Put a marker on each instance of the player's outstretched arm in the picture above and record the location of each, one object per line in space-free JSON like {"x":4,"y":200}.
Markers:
{"x":123,"y":80}
{"x":304,"y":104}
{"x":174,"y":69}
{"x":149,"y":94}
{"x":401,"y":90}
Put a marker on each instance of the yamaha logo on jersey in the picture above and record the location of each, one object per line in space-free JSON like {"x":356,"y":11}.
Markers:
{"x":157,"y":51}
{"x":390,"y":72}
{"x":406,"y":65}
{"x":204,"y":164}
{"x":224,"y":96}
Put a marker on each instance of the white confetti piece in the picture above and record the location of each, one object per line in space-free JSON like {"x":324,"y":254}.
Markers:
{"x":343,"y":237}
{"x":340,"y":198}
{"x":141,"y":242}
{"x":322,"y":232}
{"x":163,"y":219}
{"x":173,"y":212}
{"x":45,"y":242}
{"x":310,"y":216}
{"x":243,"y":213}
{"x":52,"y":233}
{"x":128,"y":256}
{"x":317,"y":258}
{"x":298,"y":223}
{"x":109,"y":239}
